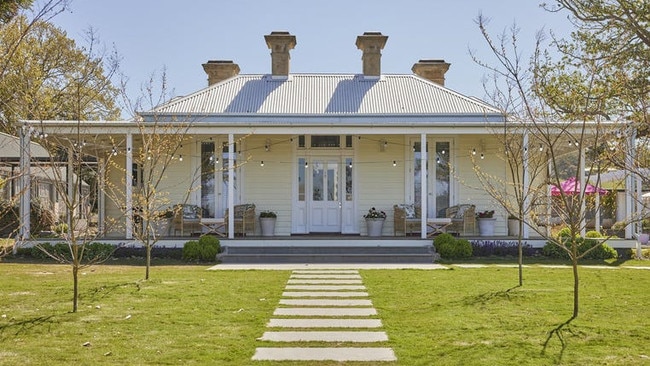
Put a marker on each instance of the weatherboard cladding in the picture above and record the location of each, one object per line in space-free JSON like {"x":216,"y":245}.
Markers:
{"x":323,"y":94}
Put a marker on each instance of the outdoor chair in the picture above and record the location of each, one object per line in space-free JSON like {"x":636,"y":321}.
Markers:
{"x":187,"y":220}
{"x":406,"y":219}
{"x":244,"y":219}
{"x":463,"y":219}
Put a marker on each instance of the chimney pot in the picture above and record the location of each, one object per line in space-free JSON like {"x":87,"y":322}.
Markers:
{"x":280,"y":43}
{"x":432,"y":70}
{"x":371,"y":44}
{"x":219,"y":70}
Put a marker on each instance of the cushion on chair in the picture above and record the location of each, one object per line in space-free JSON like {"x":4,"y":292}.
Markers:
{"x":409,"y":210}
{"x":461,"y":211}
{"x":191,"y":212}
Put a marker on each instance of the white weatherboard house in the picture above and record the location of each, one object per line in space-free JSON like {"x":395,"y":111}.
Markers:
{"x":320,"y":150}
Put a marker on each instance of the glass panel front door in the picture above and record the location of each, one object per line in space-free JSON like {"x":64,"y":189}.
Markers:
{"x":325,"y":196}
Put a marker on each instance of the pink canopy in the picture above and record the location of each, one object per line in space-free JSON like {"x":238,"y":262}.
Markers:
{"x":572,"y":186}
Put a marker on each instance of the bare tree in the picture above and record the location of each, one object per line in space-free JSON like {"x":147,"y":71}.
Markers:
{"x":77,"y":93}
{"x":557,"y":134}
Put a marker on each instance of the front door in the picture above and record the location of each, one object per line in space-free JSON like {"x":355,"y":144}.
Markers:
{"x":325,"y":197}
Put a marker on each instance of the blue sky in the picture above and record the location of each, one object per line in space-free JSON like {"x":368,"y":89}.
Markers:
{"x":181,"y":35}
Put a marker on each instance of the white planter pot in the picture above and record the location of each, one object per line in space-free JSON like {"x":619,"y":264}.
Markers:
{"x":513,"y":227}
{"x":644,"y":239}
{"x":374,"y":226}
{"x":267,"y":225}
{"x":486,"y":226}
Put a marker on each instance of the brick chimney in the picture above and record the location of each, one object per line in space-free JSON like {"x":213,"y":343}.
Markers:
{"x":219,"y":70}
{"x":433,"y":70}
{"x":280,"y":43}
{"x":371,"y":43}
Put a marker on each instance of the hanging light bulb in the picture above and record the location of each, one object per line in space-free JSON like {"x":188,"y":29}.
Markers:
{"x":443,"y":152}
{"x":541,"y":147}
{"x":482,"y":156}
{"x":306,"y":164}
{"x":394,"y":163}
{"x":262,"y":163}
{"x":473,"y":151}
{"x":180,"y":157}
{"x":114,"y":151}
{"x":350,"y":165}
{"x":216,"y":161}
{"x":438,"y":160}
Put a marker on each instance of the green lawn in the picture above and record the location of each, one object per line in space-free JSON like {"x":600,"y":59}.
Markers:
{"x":187,"y":315}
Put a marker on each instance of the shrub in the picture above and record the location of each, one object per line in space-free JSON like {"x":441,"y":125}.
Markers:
{"x":98,"y":251}
{"x":451,"y":248}
{"x":209,"y":247}
{"x":603,"y":251}
{"x":203,"y":250}
{"x":593,"y":234}
{"x":191,"y":251}
{"x":645,"y":253}
{"x":502,"y":248}
{"x":553,"y":250}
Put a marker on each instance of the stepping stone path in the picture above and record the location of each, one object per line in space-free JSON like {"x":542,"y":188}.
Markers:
{"x":325,"y":306}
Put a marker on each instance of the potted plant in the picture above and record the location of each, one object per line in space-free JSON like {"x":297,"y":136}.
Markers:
{"x":375,"y":221}
{"x":513,"y":225}
{"x":267,"y":222}
{"x":486,"y":221}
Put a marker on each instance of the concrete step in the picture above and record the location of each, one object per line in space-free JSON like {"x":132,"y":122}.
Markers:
{"x":324,"y":254}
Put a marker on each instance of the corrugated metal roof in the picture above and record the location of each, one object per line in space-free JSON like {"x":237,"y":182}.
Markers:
{"x":326,"y":94}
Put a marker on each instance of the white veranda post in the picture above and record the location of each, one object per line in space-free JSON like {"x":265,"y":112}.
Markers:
{"x":231,"y":186}
{"x":25,"y":183}
{"x":129,"y":186}
{"x":423,"y":179}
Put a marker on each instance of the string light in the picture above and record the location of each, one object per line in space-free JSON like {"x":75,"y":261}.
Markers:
{"x":541,"y":147}
{"x":262,"y":163}
{"x":306,"y":164}
{"x":438,"y":160}
{"x":114,"y":151}
{"x":482,"y":156}
{"x":473,"y":151}
{"x":180,"y":157}
{"x":350,"y":165}
{"x":394,"y":163}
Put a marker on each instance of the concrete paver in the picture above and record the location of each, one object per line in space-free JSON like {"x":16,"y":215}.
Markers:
{"x":324,"y":294}
{"x":326,"y":302}
{"x":331,"y":336}
{"x":324,"y":323}
{"x":325,"y":287}
{"x":325,"y":311}
{"x":325,"y":354}
{"x":330,"y":276}
{"x":324,"y":282}
{"x":315,"y":301}
{"x":328,"y":271}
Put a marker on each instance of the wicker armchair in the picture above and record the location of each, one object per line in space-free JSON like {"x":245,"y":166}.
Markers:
{"x":406,"y":220}
{"x":463,"y":219}
{"x":244,"y":219}
{"x":187,"y":220}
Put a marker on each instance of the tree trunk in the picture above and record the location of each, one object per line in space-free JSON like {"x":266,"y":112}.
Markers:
{"x":148,"y":264}
{"x":576,"y":288}
{"x":75,"y":287}
{"x":521,"y":253}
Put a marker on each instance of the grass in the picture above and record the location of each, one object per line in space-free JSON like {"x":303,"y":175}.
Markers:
{"x":187,"y":315}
